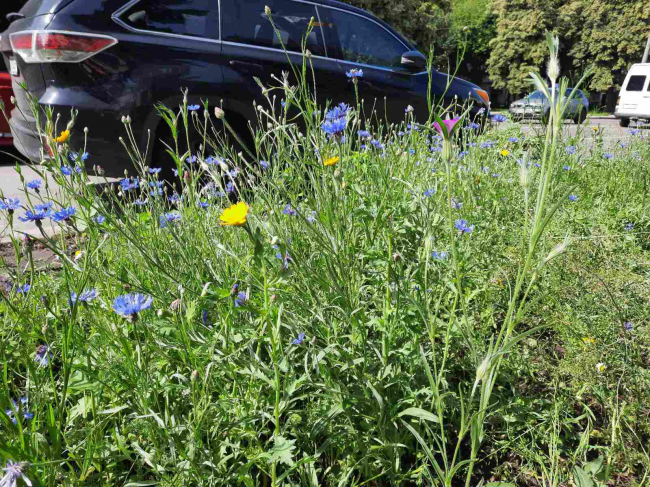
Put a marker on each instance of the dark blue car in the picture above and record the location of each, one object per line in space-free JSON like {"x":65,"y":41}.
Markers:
{"x":113,"y":58}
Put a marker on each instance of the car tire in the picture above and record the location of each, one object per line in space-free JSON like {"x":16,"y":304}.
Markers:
{"x":581,"y":117}
{"x":624,"y":122}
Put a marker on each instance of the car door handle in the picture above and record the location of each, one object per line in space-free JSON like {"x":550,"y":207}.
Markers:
{"x":246,"y":66}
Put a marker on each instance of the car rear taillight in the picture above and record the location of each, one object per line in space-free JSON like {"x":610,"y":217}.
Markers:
{"x":50,"y":46}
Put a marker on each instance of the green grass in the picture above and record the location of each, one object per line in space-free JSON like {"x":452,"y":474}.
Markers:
{"x":507,"y":357}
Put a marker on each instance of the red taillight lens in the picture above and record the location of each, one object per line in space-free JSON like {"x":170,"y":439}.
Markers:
{"x":22,"y":41}
{"x":57,"y":46}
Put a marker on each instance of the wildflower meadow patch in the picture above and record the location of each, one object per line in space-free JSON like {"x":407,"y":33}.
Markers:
{"x":333,"y":301}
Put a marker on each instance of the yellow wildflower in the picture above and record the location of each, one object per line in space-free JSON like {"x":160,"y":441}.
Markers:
{"x":331,"y":161}
{"x":65,"y":135}
{"x":235,"y":216}
{"x":594,"y":128}
{"x":588,"y":341}
{"x":505,"y":152}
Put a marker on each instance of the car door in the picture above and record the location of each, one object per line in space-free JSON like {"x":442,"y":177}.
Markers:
{"x":173,"y":45}
{"x":632,"y":94}
{"x":359,"y":42}
{"x":255,"y":47}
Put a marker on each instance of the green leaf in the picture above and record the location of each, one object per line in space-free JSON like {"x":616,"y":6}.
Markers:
{"x":582,"y":478}
{"x":282,"y":450}
{"x":500,"y":484}
{"x":420,"y":414}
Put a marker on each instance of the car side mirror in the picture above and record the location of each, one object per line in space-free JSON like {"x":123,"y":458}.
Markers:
{"x":414,"y":61}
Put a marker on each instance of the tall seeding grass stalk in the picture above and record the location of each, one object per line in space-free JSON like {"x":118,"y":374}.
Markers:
{"x":284,"y":312}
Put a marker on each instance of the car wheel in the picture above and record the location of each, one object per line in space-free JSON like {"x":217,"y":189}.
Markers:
{"x":624,"y":122}
{"x":581,"y":117}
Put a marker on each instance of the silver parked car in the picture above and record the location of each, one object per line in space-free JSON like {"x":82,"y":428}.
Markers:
{"x":537,"y":106}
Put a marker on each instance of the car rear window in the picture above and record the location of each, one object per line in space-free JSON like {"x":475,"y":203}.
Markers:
{"x":195,"y":18}
{"x":635,"y":83}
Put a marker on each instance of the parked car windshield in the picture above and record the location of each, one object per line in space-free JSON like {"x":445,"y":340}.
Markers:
{"x":536,"y":95}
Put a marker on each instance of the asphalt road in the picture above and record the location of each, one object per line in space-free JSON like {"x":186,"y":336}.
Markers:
{"x":11,"y":186}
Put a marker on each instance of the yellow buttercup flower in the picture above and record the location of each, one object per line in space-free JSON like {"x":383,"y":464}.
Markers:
{"x":331,"y":161}
{"x":594,"y":128}
{"x":588,"y":341}
{"x":235,"y":216}
{"x":505,"y":152}
{"x":65,"y":135}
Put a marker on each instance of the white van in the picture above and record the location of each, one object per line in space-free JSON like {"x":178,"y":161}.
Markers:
{"x":634,"y":98}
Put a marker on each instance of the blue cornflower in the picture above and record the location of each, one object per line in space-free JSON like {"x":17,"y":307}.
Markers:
{"x":157,"y":188}
{"x":571,"y":149}
{"x":64,"y":214}
{"x":283,"y":103}
{"x":234,"y":172}
{"x":635,"y":131}
{"x":264,"y":165}
{"x":474,"y":126}
{"x":363,"y":133}
{"x":154,"y":170}
{"x":413,"y":127}
{"x":400,"y":134}
{"x":299,"y":339}
{"x":241,"y":299}
{"x":84,"y":297}
{"x":463,"y":154}
{"x":10,"y":204}
{"x":455,"y":204}
{"x":354,"y":73}
{"x":99,"y":219}
{"x":212,"y":160}
{"x":202,"y":204}
{"x":37,"y":215}
{"x":74,"y":156}
{"x":607,"y":155}
{"x":429,"y":192}
{"x":43,"y":355}
{"x":629,"y":226}
{"x":175,"y":171}
{"x":566,"y":168}
{"x":13,"y":472}
{"x":339,"y":111}
{"x":230,"y":188}
{"x":193,"y":108}
{"x":442,"y":255}
{"x":573,"y":197}
{"x":17,"y":408}
{"x":487,"y":145}
{"x":24,"y":289}
{"x":191,"y":159}
{"x":496,"y":174}
{"x":35,"y":184}
{"x":311,"y":218}
{"x":204,"y":317}
{"x":129,"y":305}
{"x":498,"y":118}
{"x":129,"y":184}
{"x":513,"y":139}
{"x":462,"y":227}
{"x":168,"y":218}
{"x":286,"y":259}
{"x":628,"y":326}
{"x":175,"y":198}
{"x":288,"y":210}
{"x":412,"y":151}
{"x":377,"y":144}
{"x":66,"y":170}
{"x":334,"y":127}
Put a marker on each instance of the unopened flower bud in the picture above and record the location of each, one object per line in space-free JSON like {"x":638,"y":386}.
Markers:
{"x":13,"y":100}
{"x":176,"y":304}
{"x":275,"y":240}
{"x":99,"y":170}
{"x":186,"y":176}
{"x":267,"y":10}
{"x":194,"y":375}
{"x":219,"y":113}
{"x":397,"y":256}
{"x":85,"y":130}
{"x":308,"y":54}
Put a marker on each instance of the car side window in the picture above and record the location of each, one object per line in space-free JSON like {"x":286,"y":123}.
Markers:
{"x":360,"y":40}
{"x":635,"y":83}
{"x":195,"y":18}
{"x":245,"y":22}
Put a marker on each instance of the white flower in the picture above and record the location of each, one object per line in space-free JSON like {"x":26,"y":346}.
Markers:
{"x":600,"y":367}
{"x":14,"y":471}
